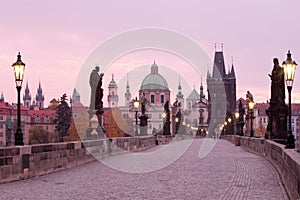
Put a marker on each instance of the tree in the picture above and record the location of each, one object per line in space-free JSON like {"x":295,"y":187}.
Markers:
{"x":63,"y":117}
{"x":73,"y":134}
{"x":38,"y":135}
{"x":261,"y":130}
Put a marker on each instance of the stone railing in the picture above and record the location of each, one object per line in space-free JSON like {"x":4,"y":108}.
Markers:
{"x":22,"y":162}
{"x":286,"y":161}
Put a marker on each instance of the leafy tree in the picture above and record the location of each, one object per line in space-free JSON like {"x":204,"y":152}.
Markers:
{"x":261,"y":130}
{"x":38,"y":135}
{"x":73,"y":134}
{"x":63,"y":117}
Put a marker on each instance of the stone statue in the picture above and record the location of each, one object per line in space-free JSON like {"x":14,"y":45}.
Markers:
{"x":94,"y":79}
{"x":98,"y":100}
{"x":277,"y":84}
{"x":143,"y":101}
{"x":249,"y":97}
{"x":167,"y":110}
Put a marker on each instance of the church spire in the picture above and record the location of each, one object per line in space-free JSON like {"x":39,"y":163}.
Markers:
{"x":202,"y":96}
{"x":40,"y":97}
{"x":2,"y":97}
{"x":27,"y":97}
{"x":127,"y":93}
{"x":179,"y":95}
{"x":154,"y":68}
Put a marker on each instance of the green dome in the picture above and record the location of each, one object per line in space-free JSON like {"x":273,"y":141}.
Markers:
{"x":154,"y":81}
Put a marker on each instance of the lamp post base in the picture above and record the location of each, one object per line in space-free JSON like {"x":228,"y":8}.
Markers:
{"x":19,"y":137}
{"x":290,"y":144}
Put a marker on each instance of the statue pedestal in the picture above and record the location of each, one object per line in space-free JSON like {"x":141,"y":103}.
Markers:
{"x":94,"y":131}
{"x":277,"y":126}
{"x":167,"y":128}
{"x":143,"y":125}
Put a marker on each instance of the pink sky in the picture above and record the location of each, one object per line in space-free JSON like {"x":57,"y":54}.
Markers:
{"x":56,"y":37}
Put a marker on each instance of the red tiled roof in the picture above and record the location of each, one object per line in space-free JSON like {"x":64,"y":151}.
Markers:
{"x":261,"y":107}
{"x":54,"y":101}
{"x":42,"y":112}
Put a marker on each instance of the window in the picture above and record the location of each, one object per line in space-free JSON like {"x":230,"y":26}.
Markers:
{"x":1,"y":125}
{"x":1,"y":134}
{"x":162,"y":99}
{"x":1,"y":117}
{"x":37,"y":119}
{"x":152,"y":98}
{"x":47,"y":120}
{"x":1,"y":143}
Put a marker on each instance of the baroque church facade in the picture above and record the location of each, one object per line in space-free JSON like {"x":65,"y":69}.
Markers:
{"x":155,"y":88}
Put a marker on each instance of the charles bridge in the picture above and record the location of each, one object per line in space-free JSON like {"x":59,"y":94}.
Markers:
{"x":236,"y":168}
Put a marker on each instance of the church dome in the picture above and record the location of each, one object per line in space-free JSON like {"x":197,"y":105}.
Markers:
{"x":154,"y":81}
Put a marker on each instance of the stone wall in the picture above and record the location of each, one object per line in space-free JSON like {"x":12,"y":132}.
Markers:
{"x":286,"y":161}
{"x":28,"y":161}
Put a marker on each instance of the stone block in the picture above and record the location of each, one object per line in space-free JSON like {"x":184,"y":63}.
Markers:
{"x":47,"y":147}
{"x":43,"y":156}
{"x":53,"y":155}
{"x":25,"y":150}
{"x":77,"y":145}
{"x":70,"y":146}
{"x":1,"y":152}
{"x":17,"y":169}
{"x":5,"y":172}
{"x":63,"y":154}
{"x":2,"y":161}
{"x":11,"y":151}
{"x":8,"y":160}
{"x":17,"y":160}
{"x":36,"y":149}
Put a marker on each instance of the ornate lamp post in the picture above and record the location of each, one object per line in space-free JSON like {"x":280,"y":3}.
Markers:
{"x":136,"y":105}
{"x":289,"y":70}
{"x":251,"y":108}
{"x":19,"y":68}
{"x":236,"y":115}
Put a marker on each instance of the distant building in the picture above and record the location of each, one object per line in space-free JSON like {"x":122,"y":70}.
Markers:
{"x":196,"y":111}
{"x":112,"y":97}
{"x":156,"y":91}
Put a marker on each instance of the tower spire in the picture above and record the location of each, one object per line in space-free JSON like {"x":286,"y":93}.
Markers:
{"x":127,"y":93}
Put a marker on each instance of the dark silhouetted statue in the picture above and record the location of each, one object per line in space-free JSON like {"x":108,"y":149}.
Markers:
{"x":143,"y":101}
{"x":277,"y":84}
{"x":167,"y":123}
{"x":278,"y":110}
{"x":94,"y":79}
{"x":98,"y":100}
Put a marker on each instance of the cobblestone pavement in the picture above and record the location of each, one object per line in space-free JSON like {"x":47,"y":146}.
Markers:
{"x":228,"y":172}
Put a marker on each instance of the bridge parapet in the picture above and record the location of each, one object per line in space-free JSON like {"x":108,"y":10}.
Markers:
{"x":22,"y":162}
{"x":286,"y":161}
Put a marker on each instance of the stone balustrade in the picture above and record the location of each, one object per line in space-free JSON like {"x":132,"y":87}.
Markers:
{"x":286,"y":161}
{"x":22,"y":162}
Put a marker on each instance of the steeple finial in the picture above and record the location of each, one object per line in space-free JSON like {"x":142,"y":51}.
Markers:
{"x":215,"y":47}
{"x":222,"y":46}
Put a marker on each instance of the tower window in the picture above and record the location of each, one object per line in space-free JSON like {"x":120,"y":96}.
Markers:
{"x":152,"y":98}
{"x":162,"y":99}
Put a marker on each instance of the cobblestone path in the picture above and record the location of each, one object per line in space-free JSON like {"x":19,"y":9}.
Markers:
{"x":228,"y":172}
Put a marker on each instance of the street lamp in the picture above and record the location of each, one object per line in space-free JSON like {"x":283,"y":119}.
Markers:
{"x":251,"y":107}
{"x":289,"y":70}
{"x":136,"y":105}
{"x":19,"y":68}
{"x":236,"y":115}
